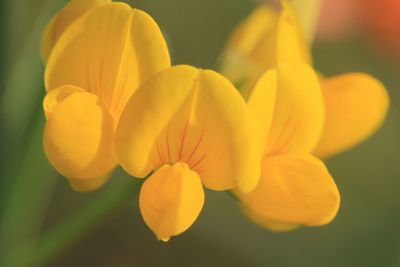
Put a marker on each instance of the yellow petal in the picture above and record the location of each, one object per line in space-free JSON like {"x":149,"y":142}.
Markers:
{"x":293,"y":190}
{"x":86,"y":185}
{"x":236,"y":61}
{"x":60,"y":22}
{"x":79,"y":137}
{"x":54,"y":97}
{"x":90,"y":50}
{"x":356,"y":106}
{"x":308,"y":12}
{"x":283,"y":40}
{"x":249,"y":33}
{"x":146,"y":116}
{"x":262,"y":104}
{"x":146,"y":53}
{"x":272,"y":225}
{"x":108,"y":52}
{"x":299,"y":112}
{"x":171,"y":200}
{"x":194,"y":116}
{"x":249,"y":52}
{"x":229,"y":135}
{"x":291,"y":43}
{"x":261,"y":42}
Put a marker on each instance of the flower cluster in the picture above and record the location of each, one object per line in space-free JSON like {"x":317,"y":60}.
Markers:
{"x":345,"y":111}
{"x":113,"y":99}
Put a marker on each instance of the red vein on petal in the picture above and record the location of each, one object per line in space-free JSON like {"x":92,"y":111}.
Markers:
{"x":197,"y":163}
{"x":196,"y":147}
{"x":183,"y":138}
{"x":168,"y":149}
{"x":88,"y":78}
{"x":160,"y":155}
{"x":101,"y":89}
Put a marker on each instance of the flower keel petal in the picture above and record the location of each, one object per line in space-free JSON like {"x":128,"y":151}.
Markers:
{"x":54,"y":97}
{"x":171,"y":199}
{"x":79,"y":137}
{"x":86,"y":185}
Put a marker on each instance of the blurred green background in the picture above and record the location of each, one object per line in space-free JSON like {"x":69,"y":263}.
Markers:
{"x":34,"y":199}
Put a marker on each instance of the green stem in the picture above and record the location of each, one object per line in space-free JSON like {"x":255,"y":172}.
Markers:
{"x":23,"y":88}
{"x":75,"y":226}
{"x":27,"y":200}
{"x":19,"y":110}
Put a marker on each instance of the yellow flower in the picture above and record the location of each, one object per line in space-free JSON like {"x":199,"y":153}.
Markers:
{"x":95,"y":66}
{"x":356,"y":103}
{"x":183,"y":128}
{"x":295,"y":187}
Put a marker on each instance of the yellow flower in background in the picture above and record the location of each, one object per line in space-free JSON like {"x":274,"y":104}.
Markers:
{"x":183,"y":128}
{"x":95,"y":66}
{"x":295,"y":187}
{"x":356,"y":103}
